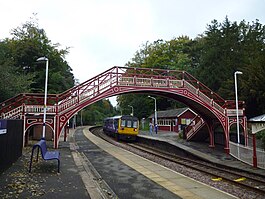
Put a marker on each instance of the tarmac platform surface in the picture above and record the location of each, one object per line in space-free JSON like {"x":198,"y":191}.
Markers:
{"x":92,"y":168}
{"x":43,"y":181}
{"x":131,"y":176}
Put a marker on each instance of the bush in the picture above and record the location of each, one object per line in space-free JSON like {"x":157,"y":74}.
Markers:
{"x":261,"y":136}
{"x":181,"y":134}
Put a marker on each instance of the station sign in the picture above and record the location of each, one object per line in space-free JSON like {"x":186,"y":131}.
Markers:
{"x":3,"y":127}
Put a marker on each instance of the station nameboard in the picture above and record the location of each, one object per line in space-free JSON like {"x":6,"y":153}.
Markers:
{"x":3,"y":126}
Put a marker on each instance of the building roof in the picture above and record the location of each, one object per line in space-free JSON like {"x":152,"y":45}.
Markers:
{"x":171,"y":113}
{"x":260,"y":118}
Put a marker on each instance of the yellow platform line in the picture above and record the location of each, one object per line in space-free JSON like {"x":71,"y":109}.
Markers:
{"x":117,"y":152}
{"x":144,"y":166}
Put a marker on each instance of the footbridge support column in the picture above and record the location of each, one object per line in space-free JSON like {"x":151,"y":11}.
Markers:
{"x":209,"y":125}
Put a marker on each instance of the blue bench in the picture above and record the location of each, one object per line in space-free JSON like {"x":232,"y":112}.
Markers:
{"x":46,"y":155}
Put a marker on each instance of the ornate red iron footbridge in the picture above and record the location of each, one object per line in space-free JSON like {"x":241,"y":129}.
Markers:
{"x":212,"y":109}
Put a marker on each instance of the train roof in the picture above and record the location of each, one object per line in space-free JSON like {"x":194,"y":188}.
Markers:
{"x":120,"y":116}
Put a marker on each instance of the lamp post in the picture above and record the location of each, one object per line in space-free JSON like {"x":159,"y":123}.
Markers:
{"x":155,"y":109}
{"x":81,"y":117}
{"x":132,"y":109}
{"x":237,"y":119}
{"x":45,"y":94}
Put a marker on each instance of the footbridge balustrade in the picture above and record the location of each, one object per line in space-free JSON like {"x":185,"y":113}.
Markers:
{"x":178,"y":85}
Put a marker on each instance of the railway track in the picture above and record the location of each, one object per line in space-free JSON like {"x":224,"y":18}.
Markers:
{"x":253,"y":183}
{"x":239,"y":179}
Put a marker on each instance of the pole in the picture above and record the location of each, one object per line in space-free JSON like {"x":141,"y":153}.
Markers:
{"x":155,"y":113}
{"x":45,"y":95}
{"x":255,"y":163}
{"x":132,"y":109}
{"x":81,"y":118}
{"x":237,"y":118}
{"x":45,"y":100}
{"x":155,"y":110}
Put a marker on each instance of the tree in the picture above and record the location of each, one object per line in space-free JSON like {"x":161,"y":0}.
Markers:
{"x":252,"y":89}
{"x":173,"y":55}
{"x":227,"y":47}
{"x":176,"y":54}
{"x":219,"y":55}
{"x":19,"y":55}
{"x":213,"y":57}
{"x":12,"y":80}
{"x":95,"y":113}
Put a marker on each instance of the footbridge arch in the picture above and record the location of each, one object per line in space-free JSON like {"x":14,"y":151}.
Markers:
{"x":178,"y":85}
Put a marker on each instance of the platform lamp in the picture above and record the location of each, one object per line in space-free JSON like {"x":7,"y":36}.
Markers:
{"x":237,"y":119}
{"x":132,"y":109}
{"x":155,"y":109}
{"x":41,"y":59}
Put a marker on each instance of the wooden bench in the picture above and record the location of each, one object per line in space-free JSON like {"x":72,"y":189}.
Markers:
{"x":46,"y":155}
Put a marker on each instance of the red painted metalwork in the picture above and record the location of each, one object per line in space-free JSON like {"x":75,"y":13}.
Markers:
{"x":255,"y":162}
{"x":178,"y":85}
{"x":195,"y":125}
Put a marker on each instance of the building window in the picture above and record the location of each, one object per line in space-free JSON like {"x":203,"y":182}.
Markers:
{"x":183,"y":121}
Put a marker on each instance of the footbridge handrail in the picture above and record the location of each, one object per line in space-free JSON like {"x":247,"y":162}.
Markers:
{"x":15,"y":113}
{"x":195,"y":124}
{"x":143,"y":77}
{"x":118,"y":76}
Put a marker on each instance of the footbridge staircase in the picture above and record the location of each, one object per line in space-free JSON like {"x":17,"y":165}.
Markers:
{"x":179,"y":85}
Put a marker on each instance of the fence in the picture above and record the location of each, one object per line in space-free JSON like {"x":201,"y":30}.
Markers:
{"x":245,"y":154}
{"x":11,"y":142}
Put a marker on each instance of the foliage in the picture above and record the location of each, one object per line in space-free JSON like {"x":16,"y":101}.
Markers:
{"x":95,"y":113}
{"x":143,"y":106}
{"x":173,"y":55}
{"x":21,"y":71}
{"x":261,"y":136}
{"x":212,"y":58}
{"x":228,"y":47}
{"x":176,"y":54}
{"x":12,"y":82}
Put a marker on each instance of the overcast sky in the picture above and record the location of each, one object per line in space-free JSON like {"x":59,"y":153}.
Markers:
{"x":106,"y":33}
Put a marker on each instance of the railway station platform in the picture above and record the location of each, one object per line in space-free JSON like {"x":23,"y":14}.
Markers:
{"x":215,"y":155}
{"x":43,"y":181}
{"x":93,"y":168}
{"x":126,"y":175}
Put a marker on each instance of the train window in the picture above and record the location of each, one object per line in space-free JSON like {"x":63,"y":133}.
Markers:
{"x":123,"y":123}
{"x":135,"y":124}
{"x":129,"y":123}
{"x":115,"y":124}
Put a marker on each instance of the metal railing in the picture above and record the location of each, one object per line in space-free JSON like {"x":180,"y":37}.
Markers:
{"x":195,"y":125}
{"x":15,"y":113}
{"x":33,"y":109}
{"x":232,"y":112}
{"x":116,"y":76}
{"x":245,"y":154}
